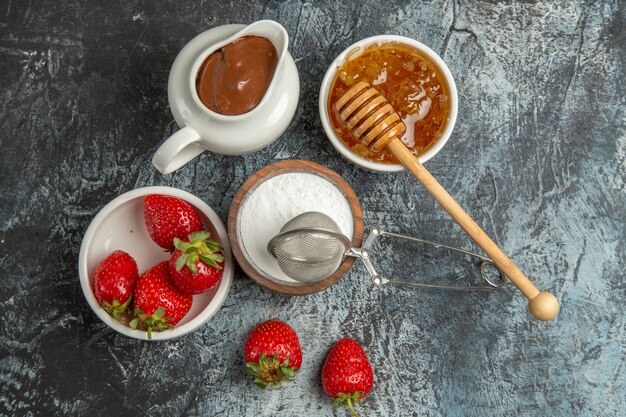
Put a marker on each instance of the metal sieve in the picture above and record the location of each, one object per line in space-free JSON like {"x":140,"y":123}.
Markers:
{"x":310,"y":247}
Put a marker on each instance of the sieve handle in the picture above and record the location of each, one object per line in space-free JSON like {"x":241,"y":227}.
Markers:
{"x":542,"y":305}
{"x":364,"y":254}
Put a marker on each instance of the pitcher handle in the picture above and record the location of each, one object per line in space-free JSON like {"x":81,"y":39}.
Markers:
{"x":177,"y":150}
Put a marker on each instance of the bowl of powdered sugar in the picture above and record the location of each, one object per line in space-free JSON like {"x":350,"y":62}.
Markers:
{"x":273,"y":196}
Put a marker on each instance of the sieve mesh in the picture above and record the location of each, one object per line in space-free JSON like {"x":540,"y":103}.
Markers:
{"x":310,"y":247}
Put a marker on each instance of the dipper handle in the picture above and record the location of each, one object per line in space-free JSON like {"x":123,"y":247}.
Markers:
{"x":373,"y":121}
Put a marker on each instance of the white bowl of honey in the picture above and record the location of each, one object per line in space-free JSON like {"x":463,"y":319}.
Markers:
{"x":415,"y":81}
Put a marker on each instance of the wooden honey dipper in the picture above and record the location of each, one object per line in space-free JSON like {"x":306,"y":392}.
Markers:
{"x":373,"y":122}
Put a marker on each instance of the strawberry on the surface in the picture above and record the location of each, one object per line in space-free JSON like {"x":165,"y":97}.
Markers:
{"x":113,"y":283}
{"x":197,"y":263}
{"x":159,"y":304}
{"x":168,"y":217}
{"x":272,"y":353}
{"x":347,"y":375}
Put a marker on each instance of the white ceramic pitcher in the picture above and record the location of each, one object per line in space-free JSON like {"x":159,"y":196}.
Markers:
{"x":203,"y":129}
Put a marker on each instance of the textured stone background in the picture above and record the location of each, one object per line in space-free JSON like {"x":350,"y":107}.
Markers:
{"x":538,"y":157}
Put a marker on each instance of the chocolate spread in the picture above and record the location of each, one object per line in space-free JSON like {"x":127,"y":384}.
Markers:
{"x":233,"y":79}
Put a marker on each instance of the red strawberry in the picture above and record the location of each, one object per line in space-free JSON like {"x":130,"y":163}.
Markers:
{"x":272,"y":353}
{"x":169,"y":217}
{"x":197,"y":264}
{"x":347,"y":374}
{"x":158,"y":303}
{"x":114,"y":281}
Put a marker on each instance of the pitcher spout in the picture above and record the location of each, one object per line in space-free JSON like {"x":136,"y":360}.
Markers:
{"x":277,"y":35}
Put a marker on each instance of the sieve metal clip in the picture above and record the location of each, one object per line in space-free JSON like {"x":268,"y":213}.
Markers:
{"x":364,"y":253}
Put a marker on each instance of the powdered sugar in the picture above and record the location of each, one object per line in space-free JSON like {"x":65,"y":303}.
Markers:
{"x":278,"y":200}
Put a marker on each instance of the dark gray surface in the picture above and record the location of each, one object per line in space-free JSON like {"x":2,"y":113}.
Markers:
{"x":538,"y":157}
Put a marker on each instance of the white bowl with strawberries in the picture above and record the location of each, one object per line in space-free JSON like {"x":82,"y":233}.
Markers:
{"x":155,"y":263}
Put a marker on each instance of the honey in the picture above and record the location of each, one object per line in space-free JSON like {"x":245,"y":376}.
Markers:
{"x":413,"y":84}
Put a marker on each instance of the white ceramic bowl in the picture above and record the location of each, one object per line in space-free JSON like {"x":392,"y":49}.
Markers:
{"x":120,"y":225}
{"x":330,"y":76}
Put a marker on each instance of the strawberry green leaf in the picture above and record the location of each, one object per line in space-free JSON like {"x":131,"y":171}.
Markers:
{"x":270,"y":372}
{"x":116,"y":310}
{"x":263,"y":362}
{"x":191,"y":264}
{"x":212,"y":245}
{"x":207,"y":260}
{"x":158,"y":313}
{"x":259,"y":383}
{"x":181,"y":261}
{"x":288,"y":372}
{"x":337,"y":402}
{"x":156,"y":321}
{"x":253,"y":367}
{"x":180,"y":245}
{"x":195,"y":237}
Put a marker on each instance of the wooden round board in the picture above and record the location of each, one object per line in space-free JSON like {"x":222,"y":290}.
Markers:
{"x":248,"y":188}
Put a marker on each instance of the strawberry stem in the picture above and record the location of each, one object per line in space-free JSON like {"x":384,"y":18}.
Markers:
{"x":349,"y":399}
{"x":269,"y":372}
{"x":157,"y":321}
{"x":116,"y":310}
{"x":351,"y":407}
